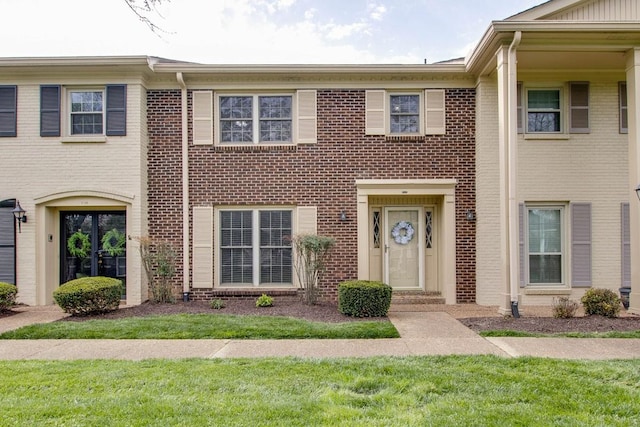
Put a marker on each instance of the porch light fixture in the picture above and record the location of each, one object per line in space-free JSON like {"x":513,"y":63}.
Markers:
{"x":471,"y":215}
{"x":638,"y":191}
{"x":343,"y":216}
{"x":19,"y":215}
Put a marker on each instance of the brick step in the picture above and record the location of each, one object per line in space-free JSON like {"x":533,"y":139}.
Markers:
{"x":406,"y":297}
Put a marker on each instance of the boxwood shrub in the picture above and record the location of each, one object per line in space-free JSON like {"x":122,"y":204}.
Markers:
{"x":8,"y":294}
{"x":364,"y":298}
{"x":603,"y":302}
{"x":89,"y":295}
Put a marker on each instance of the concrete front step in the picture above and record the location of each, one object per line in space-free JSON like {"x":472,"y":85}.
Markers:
{"x":414,"y":298}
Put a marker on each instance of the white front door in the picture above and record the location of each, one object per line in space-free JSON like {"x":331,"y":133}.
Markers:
{"x":403,"y":253}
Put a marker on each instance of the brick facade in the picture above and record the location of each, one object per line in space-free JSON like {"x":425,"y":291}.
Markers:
{"x":321,"y":174}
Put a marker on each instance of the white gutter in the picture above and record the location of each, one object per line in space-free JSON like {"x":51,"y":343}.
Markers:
{"x":512,"y":144}
{"x":185,"y":188}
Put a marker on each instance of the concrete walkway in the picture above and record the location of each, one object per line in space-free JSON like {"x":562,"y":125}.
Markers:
{"x":422,"y":334}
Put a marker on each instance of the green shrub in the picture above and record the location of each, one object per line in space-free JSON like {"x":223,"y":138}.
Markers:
{"x":603,"y":302}
{"x":363,"y":298}
{"x":564,"y":308}
{"x":89,"y":295}
{"x":217,"y":304}
{"x":8,"y":294}
{"x":264,"y":301}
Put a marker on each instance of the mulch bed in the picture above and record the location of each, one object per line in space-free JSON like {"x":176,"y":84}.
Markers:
{"x":550,"y":325}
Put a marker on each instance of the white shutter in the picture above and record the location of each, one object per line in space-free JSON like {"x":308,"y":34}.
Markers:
{"x":434,"y":112}
{"x":375,"y":112}
{"x":581,"y":244}
{"x":307,"y":117}
{"x":307,"y":220}
{"x":202,"y":247}
{"x":202,"y":117}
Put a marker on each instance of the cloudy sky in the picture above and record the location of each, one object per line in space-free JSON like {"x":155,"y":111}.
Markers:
{"x":255,"y":31}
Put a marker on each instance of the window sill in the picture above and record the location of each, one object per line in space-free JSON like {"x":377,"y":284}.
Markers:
{"x":255,"y":147}
{"x":82,"y":139}
{"x":404,"y":137}
{"x":547,"y":291}
{"x":546,"y":136}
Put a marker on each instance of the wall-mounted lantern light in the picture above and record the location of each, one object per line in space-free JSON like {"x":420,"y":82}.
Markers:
{"x":343,"y":216}
{"x":471,"y":215}
{"x":638,"y":191}
{"x":19,"y":215}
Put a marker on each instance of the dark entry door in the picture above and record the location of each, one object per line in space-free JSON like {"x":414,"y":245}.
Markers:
{"x":94,"y":244}
{"x":7,"y":242}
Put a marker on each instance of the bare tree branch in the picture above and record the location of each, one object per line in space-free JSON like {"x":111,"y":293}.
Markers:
{"x":142,"y":8}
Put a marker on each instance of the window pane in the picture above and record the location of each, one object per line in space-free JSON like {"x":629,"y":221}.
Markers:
{"x":543,"y":122}
{"x":544,"y":99}
{"x":86,"y":124}
{"x":545,"y":245}
{"x":275,"y":107}
{"x":236,"y":253}
{"x":86,"y":113}
{"x":275,"y":131}
{"x":405,"y":114}
{"x":236,"y":123}
{"x":275,"y":119}
{"x":236,"y":107}
{"x":275,"y":247}
{"x":545,"y":268}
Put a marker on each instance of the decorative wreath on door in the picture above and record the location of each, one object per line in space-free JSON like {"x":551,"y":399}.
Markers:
{"x":403,"y":232}
{"x":79,"y":244}
{"x":113,"y":242}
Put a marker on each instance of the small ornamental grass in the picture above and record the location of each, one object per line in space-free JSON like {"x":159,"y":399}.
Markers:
{"x":564,"y":308}
{"x":8,"y":294}
{"x":603,"y":302}
{"x":89,"y":295}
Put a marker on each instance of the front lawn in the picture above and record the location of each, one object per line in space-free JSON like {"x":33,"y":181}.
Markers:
{"x":412,"y":391}
{"x":200,"y":326}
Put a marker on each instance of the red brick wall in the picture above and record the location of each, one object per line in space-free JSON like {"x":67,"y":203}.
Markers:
{"x":321,"y":175}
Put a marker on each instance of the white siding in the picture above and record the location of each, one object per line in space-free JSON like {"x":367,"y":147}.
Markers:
{"x":602,"y":10}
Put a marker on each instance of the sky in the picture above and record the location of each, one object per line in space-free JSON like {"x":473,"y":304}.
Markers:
{"x":255,"y":31}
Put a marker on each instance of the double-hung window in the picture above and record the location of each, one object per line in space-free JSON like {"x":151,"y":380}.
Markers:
{"x":86,"y":116}
{"x":256,"y":119}
{"x":255,"y":247}
{"x":404,"y":114}
{"x":545,"y":245}
{"x":543,"y":110}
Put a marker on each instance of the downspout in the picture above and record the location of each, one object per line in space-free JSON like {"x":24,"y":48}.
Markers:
{"x":185,"y":189}
{"x":512,"y":144}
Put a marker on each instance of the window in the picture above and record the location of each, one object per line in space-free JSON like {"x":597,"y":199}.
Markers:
{"x":543,"y":110}
{"x":88,"y":111}
{"x":8,"y":110}
{"x":405,"y":113}
{"x":395,"y":114}
{"x":255,"y":247}
{"x":624,"y":118}
{"x":545,"y":245}
{"x":256,"y":119}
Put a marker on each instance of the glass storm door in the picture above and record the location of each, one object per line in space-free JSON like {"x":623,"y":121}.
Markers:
{"x":93,"y":244}
{"x":403,"y":252}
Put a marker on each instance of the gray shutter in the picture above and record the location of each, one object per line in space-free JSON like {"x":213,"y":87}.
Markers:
{"x":579,"y":107}
{"x":581,"y":244}
{"x":7,"y":243}
{"x":116,"y":110}
{"x":8,"y":110}
{"x":521,"y":243}
{"x":622,"y":101}
{"x":625,"y":238}
{"x":519,"y":109}
{"x":49,"y":110}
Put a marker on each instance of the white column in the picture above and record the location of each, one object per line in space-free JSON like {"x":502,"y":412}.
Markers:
{"x":633,"y":102}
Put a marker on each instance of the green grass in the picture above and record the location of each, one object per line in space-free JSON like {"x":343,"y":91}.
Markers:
{"x":413,"y":391}
{"x":612,"y":334}
{"x":198,"y":326}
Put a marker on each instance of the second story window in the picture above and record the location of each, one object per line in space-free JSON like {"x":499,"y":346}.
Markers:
{"x":256,"y":119}
{"x":404,"y":114}
{"x":86,"y":113}
{"x":543,"y":110}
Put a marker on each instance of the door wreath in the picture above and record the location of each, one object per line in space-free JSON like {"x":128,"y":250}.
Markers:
{"x":113,"y":242}
{"x":79,"y":244}
{"x":402,"y":232}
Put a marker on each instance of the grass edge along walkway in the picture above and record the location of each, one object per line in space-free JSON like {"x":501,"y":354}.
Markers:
{"x":408,"y":391}
{"x":204,"y":326}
